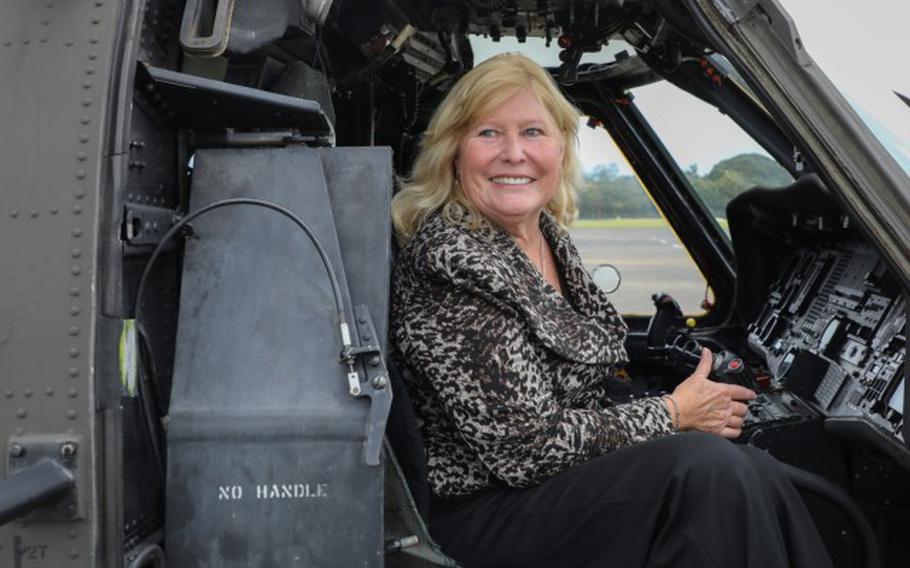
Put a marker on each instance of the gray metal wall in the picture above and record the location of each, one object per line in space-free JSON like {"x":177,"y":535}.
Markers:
{"x":56,"y":61}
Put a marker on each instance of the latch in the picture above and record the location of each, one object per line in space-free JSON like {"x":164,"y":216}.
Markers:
{"x":366,"y":362}
{"x":146,"y":224}
{"x":41,"y":484}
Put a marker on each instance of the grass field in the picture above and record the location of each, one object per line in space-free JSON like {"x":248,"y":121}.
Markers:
{"x":644,"y":223}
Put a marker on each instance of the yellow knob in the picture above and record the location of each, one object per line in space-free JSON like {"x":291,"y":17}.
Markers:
{"x":690,"y":322}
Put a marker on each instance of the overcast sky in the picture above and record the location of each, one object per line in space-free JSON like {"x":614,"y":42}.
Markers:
{"x":863,"y":51}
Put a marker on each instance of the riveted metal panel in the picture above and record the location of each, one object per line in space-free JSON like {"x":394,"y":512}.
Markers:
{"x":55,"y":64}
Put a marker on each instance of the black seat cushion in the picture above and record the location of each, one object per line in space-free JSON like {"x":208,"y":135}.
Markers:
{"x":407,"y":443}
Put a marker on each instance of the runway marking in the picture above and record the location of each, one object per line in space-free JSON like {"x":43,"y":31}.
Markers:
{"x":619,"y":263}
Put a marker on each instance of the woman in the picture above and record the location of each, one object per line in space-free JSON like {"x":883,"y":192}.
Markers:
{"x":508,"y":349}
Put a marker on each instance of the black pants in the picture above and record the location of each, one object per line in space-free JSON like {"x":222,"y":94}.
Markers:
{"x":690,"y":499}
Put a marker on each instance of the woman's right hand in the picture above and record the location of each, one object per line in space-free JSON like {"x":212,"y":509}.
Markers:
{"x":710,"y":406}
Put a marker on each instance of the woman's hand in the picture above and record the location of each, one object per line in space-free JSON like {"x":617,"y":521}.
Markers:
{"x":709,"y":406}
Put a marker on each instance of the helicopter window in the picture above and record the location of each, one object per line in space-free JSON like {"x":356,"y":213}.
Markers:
{"x":537,"y":49}
{"x":619,"y":225}
{"x":719,"y":158}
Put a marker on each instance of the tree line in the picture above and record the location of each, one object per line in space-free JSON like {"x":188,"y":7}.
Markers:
{"x":605,"y":194}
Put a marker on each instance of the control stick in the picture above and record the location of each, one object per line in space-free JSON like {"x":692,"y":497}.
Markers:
{"x":667,"y":341}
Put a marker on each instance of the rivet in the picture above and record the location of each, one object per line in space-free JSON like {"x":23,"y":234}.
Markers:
{"x":77,"y":209}
{"x":99,"y":3}
{"x":46,"y":23}
{"x":14,"y":214}
{"x":27,"y":393}
{"x":86,"y":84}
{"x":73,"y":353}
{"x":76,"y":253}
{"x":7,"y":43}
{"x":71,"y":393}
{"x":74,"y":553}
{"x":68,"y":450}
{"x":375,"y":360}
{"x":85,"y":120}
{"x":19,"y":431}
{"x":75,"y":271}
{"x":33,"y":214}
{"x":54,"y":210}
{"x":74,"y":331}
{"x":73,"y":533}
{"x":71,"y":414}
{"x":92,"y":56}
{"x":80,"y":174}
{"x":21,"y":413}
{"x":81,"y":156}
{"x":69,"y":44}
{"x":25,"y":42}
{"x":94,"y":39}
{"x":366,"y":336}
{"x":43,"y":40}
{"x":49,"y":391}
{"x":77,"y":232}
{"x":380,"y":382}
{"x":16,"y":451}
{"x":83,"y":138}
{"x":89,"y":70}
{"x":74,"y":310}
{"x":8,"y":393}
{"x":80,"y":194}
{"x":73,"y":372}
{"x":86,"y":102}
{"x":75,"y":291}
{"x":96,"y":21}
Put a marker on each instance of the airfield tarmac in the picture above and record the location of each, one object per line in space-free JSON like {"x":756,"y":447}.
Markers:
{"x":649,"y":259}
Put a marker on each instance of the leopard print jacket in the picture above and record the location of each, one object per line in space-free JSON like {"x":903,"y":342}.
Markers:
{"x":508,"y":376}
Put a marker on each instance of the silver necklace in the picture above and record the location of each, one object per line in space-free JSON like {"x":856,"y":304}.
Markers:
{"x":543,"y":267}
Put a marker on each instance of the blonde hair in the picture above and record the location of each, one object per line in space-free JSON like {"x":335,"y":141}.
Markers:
{"x":432,"y":185}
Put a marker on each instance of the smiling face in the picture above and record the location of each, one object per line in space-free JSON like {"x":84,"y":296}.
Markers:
{"x":509,"y":160}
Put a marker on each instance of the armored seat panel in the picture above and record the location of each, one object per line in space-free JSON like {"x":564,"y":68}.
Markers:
{"x":265,"y":442}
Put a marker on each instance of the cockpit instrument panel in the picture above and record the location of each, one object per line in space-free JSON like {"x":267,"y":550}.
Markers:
{"x":833,"y":331}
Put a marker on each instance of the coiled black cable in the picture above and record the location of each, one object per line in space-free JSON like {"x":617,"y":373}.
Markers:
{"x":336,"y":289}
